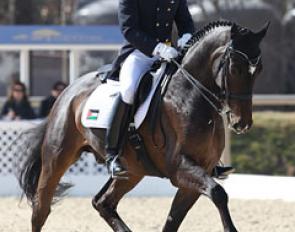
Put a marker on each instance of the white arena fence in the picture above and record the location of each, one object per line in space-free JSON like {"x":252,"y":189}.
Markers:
{"x":88,"y":177}
{"x":11,"y":158}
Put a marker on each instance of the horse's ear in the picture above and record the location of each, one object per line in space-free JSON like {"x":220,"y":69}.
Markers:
{"x":261,"y":34}
{"x":234,"y":31}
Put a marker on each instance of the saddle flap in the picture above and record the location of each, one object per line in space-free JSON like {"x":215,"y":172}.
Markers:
{"x":98,"y":108}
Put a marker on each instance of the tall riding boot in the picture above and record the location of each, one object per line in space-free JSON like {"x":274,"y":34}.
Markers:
{"x":115,"y":136}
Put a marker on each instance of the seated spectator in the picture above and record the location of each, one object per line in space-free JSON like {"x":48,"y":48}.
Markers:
{"x":47,"y":103}
{"x":17,"y":106}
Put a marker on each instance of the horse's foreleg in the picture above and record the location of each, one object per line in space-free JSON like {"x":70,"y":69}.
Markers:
{"x":191,"y":176}
{"x":183,"y":201}
{"x":106,"y":201}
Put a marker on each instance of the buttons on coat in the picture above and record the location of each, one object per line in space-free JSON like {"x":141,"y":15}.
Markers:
{"x":158,"y":24}
{"x":167,"y":12}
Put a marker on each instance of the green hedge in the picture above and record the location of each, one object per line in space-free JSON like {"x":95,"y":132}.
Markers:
{"x":268,"y":148}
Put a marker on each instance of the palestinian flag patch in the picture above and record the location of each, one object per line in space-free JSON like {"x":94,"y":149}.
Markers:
{"x":92,"y":114}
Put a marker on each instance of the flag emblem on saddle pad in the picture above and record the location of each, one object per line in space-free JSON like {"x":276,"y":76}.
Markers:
{"x":92,"y":114}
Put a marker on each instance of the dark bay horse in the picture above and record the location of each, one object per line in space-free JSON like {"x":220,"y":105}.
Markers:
{"x":216,"y":76}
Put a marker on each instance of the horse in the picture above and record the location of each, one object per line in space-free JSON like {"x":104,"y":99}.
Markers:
{"x":215,"y":78}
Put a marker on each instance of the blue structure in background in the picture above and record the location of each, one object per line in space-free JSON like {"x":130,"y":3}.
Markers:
{"x":73,"y":39}
{"x":59,"y":35}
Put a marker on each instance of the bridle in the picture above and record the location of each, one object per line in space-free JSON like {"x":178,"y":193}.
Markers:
{"x":224,"y":95}
{"x":224,"y":67}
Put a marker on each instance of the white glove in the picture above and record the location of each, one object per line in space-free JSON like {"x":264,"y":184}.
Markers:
{"x":164,"y":51}
{"x":183,"y":40}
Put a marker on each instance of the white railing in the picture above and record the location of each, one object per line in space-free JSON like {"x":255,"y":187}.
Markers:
{"x":274,"y":100}
{"x":74,"y":55}
{"x":13,"y":150}
{"x":86,"y":174}
{"x":258,"y":100}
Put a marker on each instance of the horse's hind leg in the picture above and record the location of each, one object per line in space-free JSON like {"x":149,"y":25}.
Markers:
{"x":106,"y":201}
{"x":183,"y":201}
{"x":191,"y":176}
{"x":53,"y":168}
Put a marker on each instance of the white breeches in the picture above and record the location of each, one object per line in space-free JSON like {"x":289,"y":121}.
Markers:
{"x":135,"y":65}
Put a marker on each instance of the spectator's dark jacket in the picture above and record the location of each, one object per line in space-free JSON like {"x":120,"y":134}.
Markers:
{"x":145,"y":23}
{"x":22,"y":109}
{"x":46,"y":106}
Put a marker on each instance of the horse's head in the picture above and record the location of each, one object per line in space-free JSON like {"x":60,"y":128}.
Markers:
{"x":239,"y":67}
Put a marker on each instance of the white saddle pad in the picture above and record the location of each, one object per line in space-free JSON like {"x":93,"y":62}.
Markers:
{"x":98,"y":108}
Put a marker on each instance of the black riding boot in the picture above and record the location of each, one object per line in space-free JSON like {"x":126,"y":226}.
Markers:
{"x":115,"y":137}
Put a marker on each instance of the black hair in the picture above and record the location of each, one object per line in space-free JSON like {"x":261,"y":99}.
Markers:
{"x":58,"y":84}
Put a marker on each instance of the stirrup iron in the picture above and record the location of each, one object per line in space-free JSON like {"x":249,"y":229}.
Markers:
{"x":111,"y":170}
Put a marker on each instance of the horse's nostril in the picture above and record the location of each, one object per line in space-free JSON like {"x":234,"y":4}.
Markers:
{"x":240,"y":127}
{"x":237,"y":126}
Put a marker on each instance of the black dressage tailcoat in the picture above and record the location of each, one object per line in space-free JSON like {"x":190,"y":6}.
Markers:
{"x":145,"y":23}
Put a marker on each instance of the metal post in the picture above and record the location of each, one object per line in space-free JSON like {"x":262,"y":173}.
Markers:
{"x":63,"y":20}
{"x":25,"y":68}
{"x":74,"y":65}
{"x":65,"y":66}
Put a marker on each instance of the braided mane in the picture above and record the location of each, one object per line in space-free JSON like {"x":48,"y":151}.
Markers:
{"x":198,"y":35}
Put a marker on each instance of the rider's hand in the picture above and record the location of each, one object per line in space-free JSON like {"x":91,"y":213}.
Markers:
{"x":164,"y":51}
{"x":183,"y":40}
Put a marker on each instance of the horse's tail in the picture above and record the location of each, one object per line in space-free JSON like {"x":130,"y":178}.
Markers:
{"x":31,"y":169}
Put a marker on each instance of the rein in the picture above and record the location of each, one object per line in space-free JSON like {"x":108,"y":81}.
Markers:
{"x":225,"y":94}
{"x":200,"y":87}
{"x":224,"y":64}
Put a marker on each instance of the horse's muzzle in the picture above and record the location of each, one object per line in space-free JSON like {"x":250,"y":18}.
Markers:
{"x":238,"y":125}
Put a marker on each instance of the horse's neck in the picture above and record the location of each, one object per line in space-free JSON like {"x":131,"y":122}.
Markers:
{"x":199,"y":59}
{"x":186,"y":98}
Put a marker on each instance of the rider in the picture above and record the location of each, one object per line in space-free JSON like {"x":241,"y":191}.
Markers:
{"x":147,"y":28}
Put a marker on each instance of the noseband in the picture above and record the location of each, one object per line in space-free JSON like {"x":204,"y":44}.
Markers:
{"x":224,"y":95}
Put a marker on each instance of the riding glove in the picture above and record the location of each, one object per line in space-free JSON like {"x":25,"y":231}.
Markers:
{"x":164,"y":51}
{"x":183,"y":40}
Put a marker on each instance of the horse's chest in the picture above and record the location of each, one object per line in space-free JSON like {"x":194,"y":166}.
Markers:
{"x":204,"y":136}
{"x":205,"y":149}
